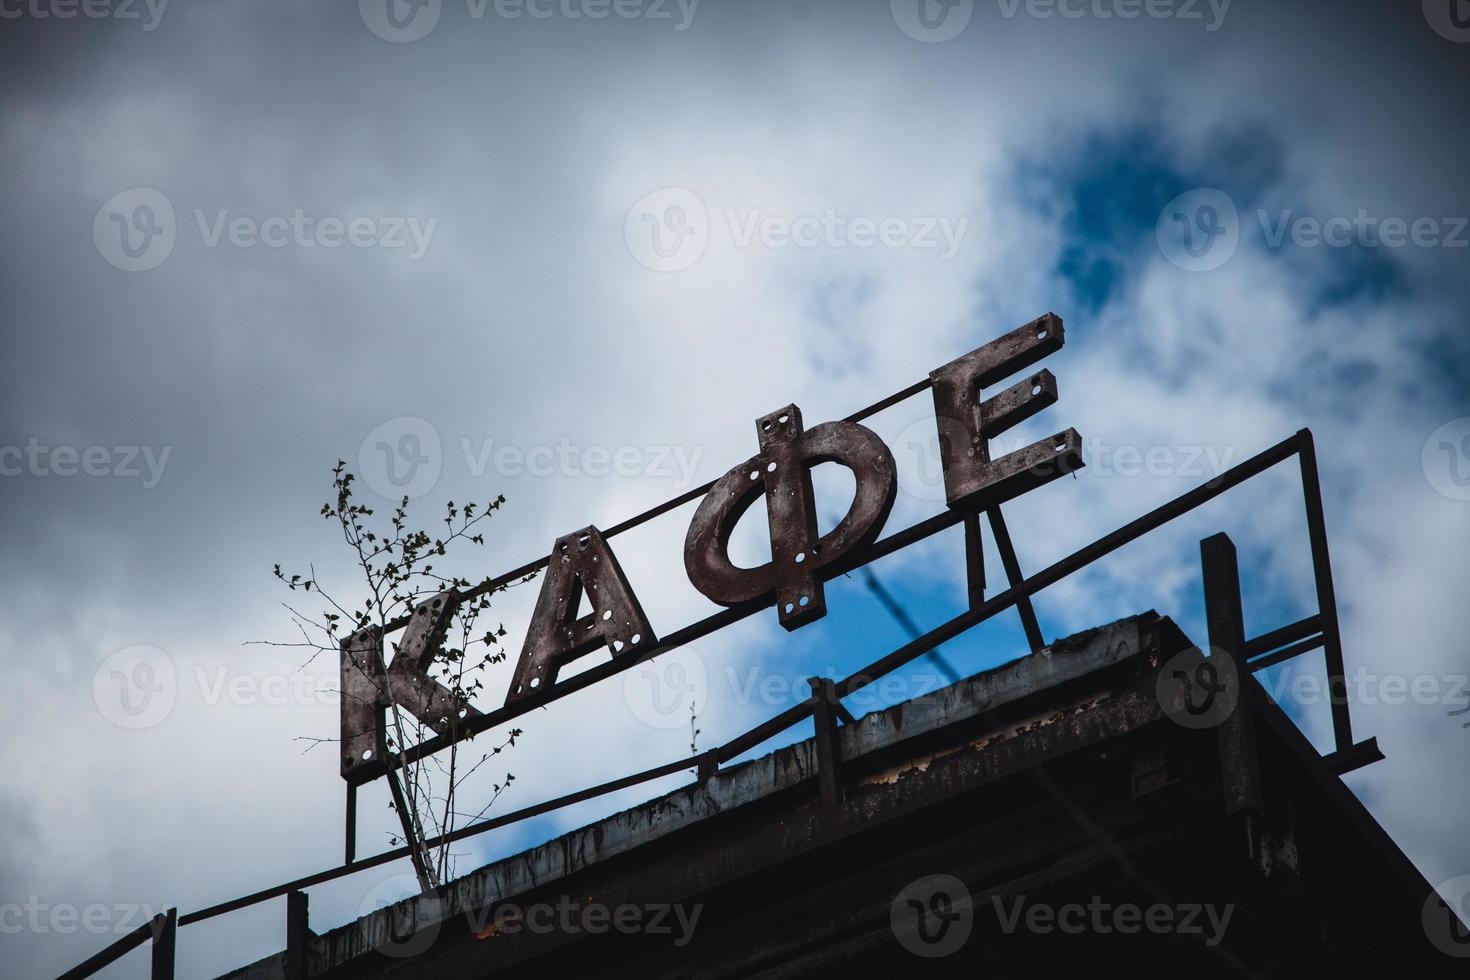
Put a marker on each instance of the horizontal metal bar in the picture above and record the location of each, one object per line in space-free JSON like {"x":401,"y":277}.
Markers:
{"x":581,"y":796}
{"x":688,"y":634}
{"x":854,"y":682}
{"x":1361,"y":754}
{"x":506,"y":578}
{"x":1002,"y":601}
{"x":1286,"y":653}
{"x":1290,"y":633}
{"x":1079,"y":559}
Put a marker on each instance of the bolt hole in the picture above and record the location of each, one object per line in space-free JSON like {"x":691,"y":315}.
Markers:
{"x":789,"y":607}
{"x":535,"y":682}
{"x":1041,"y":335}
{"x":584,"y":540}
{"x":367,"y":753}
{"x":770,"y":467}
{"x":766,"y":426}
{"x":784,"y":419}
{"x":800,"y":557}
{"x":637,"y":638}
{"x":607,"y":614}
{"x":805,"y":600}
{"x":755,"y":474}
{"x":617,"y":646}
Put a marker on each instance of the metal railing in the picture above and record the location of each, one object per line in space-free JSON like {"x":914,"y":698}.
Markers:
{"x":1318,"y":630}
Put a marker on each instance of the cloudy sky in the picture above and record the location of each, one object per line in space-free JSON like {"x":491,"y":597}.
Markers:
{"x":568,"y":252}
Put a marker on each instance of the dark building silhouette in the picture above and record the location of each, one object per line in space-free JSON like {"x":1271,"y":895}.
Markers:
{"x":1054,"y":814}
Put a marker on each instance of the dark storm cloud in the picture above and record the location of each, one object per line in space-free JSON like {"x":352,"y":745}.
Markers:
{"x":506,"y":154}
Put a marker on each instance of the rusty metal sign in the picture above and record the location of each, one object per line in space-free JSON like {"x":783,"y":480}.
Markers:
{"x":583,"y":563}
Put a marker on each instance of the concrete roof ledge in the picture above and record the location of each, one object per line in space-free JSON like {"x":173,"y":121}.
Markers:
{"x":739,"y":785}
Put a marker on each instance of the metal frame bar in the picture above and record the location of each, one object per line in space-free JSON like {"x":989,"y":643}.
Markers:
{"x":1012,"y":566}
{"x":1342,"y":726}
{"x":1347,"y":755}
{"x":1225,"y":622}
{"x":162,"y":929}
{"x":298,"y":935}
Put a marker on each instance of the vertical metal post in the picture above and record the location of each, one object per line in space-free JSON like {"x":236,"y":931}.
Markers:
{"x":829,"y":750}
{"x":1012,"y":568}
{"x":298,"y":935}
{"x":1342,"y":726}
{"x":165,"y":929}
{"x":1226,"y":624}
{"x":974,"y":559}
{"x":350,"y":837}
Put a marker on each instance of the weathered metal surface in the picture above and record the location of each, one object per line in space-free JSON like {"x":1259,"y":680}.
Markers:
{"x":581,"y":563}
{"x":826,"y":740}
{"x":782,"y":473}
{"x":972,"y":479}
{"x":1341,"y":762}
{"x":165,"y":937}
{"x":1224,"y":618}
{"x":367,"y":684}
{"x":299,"y":937}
